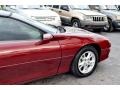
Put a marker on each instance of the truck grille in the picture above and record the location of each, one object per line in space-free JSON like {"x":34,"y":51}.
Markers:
{"x":96,"y":18}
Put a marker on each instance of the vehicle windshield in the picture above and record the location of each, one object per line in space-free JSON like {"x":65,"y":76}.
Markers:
{"x":108,"y":7}
{"x":80,"y":7}
{"x":41,"y":7}
{"x":111,"y":7}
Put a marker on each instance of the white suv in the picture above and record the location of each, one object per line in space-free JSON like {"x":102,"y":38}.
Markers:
{"x":38,"y":13}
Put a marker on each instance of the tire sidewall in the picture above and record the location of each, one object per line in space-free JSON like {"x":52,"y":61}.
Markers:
{"x":75,"y":68}
{"x":78,"y":21}
{"x":110,"y":29}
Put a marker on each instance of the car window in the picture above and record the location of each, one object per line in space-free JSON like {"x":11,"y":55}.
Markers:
{"x":111,"y":7}
{"x":79,"y":7}
{"x":11,"y":29}
{"x":56,"y":6}
{"x":64,"y":7}
{"x":43,"y":27}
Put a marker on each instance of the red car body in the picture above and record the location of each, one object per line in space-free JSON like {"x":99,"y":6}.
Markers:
{"x":28,"y":60}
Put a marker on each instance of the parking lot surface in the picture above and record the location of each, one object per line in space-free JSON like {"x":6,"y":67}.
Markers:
{"x":107,"y":72}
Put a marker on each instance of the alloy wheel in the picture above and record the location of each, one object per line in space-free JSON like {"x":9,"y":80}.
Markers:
{"x":86,"y":62}
{"x":75,"y":24}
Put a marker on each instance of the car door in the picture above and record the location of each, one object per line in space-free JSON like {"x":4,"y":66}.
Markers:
{"x":65,"y":14}
{"x":23,"y":54}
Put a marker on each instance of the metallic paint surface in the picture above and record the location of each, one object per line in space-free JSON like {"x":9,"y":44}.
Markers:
{"x":24,"y":61}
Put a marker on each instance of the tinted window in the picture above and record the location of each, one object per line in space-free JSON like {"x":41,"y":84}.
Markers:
{"x":56,"y":6}
{"x":48,"y":5}
{"x":64,"y":7}
{"x":11,"y":29}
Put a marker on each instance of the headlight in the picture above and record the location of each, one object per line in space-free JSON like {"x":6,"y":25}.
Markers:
{"x":118,"y":17}
{"x":105,"y":18}
{"x":87,"y":18}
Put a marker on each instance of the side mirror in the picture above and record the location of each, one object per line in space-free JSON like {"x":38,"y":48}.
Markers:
{"x":46,"y":37}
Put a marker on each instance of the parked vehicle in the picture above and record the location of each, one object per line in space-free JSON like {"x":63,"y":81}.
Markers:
{"x":118,"y":7}
{"x":81,"y":16}
{"x":30,"y":50}
{"x":38,"y":13}
{"x":113,"y":16}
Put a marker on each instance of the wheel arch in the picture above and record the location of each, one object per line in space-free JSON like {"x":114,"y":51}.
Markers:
{"x":74,"y":68}
{"x":96,"y":46}
{"x":74,"y":18}
{"x":109,"y":18}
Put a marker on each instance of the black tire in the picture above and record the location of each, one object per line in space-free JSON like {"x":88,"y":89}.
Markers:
{"x":76,"y":21}
{"x":74,"y":67}
{"x":110,"y":29}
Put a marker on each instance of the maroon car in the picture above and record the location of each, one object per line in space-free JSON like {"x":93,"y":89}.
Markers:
{"x":30,"y":50}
